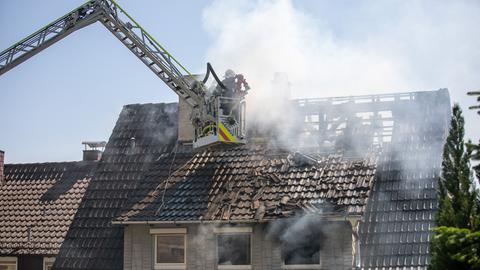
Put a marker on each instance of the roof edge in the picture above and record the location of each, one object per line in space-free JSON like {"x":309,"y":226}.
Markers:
{"x":152,"y":222}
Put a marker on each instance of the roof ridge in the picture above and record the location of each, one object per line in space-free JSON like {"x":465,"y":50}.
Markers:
{"x":51,"y":163}
{"x":150,"y":103}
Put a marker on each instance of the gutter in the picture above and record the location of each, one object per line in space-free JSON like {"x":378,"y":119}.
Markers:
{"x":350,"y":218}
{"x":185,"y":222}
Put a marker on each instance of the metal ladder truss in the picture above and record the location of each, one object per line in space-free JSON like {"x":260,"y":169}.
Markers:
{"x":122,"y":26}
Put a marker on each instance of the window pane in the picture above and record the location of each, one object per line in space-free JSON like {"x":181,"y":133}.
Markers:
{"x":233,"y":249}
{"x":303,"y":254}
{"x":170,"y":248}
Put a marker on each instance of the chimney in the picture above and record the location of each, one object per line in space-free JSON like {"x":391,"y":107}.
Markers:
{"x":2,"y":162}
{"x":185,"y":127}
{"x":93,"y":150}
{"x":186,"y":131}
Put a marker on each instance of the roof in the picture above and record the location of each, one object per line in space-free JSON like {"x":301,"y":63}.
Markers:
{"x":252,"y":183}
{"x":37,"y":204}
{"x":140,"y":155}
{"x":141,"y":134}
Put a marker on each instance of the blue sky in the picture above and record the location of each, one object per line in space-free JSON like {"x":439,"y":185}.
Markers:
{"x":75,"y":89}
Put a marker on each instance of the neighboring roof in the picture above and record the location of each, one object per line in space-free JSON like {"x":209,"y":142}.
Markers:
{"x":141,"y":134}
{"x":37,"y":204}
{"x":252,"y":183}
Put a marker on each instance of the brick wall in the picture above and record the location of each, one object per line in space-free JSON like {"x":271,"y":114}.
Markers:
{"x":266,"y":255}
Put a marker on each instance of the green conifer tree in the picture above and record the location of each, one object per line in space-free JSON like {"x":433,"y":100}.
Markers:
{"x":475,"y":148}
{"x":458,"y":215}
{"x":457,"y":194}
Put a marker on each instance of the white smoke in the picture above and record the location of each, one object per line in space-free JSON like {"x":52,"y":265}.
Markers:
{"x":382,"y":47}
{"x":271,"y":36}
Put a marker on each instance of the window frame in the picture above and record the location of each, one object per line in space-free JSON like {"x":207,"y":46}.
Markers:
{"x":48,"y":260}
{"x":155,"y":232}
{"x":234,"y":231}
{"x":4,"y":260}
{"x":301,"y":266}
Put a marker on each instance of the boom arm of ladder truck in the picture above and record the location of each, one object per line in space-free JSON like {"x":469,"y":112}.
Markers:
{"x":127,"y":30}
{"x":216,"y":120}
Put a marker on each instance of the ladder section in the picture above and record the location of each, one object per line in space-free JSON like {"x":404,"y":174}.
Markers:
{"x":151,"y":53}
{"x":48,"y":35}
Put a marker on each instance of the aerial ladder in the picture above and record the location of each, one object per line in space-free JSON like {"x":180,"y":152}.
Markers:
{"x":217,"y":118}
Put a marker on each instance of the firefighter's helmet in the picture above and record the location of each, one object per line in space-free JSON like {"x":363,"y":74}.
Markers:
{"x":229,"y":73}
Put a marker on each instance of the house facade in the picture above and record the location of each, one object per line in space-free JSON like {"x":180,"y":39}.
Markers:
{"x":238,"y":246}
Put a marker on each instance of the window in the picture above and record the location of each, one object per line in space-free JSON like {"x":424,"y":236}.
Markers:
{"x":8,"y":263}
{"x":234,"y":247}
{"x":48,"y":263}
{"x":170,"y":248}
{"x":302,"y":254}
{"x":301,"y":241}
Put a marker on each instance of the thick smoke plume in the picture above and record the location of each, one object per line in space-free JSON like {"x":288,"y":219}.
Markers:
{"x":300,"y":238}
{"x":360,"y":48}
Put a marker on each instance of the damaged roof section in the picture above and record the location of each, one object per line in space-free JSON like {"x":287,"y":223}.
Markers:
{"x":249,"y":183}
{"x":37,"y":205}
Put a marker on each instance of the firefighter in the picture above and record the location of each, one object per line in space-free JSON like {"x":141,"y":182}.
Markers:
{"x":235,"y":86}
{"x":229,"y":83}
